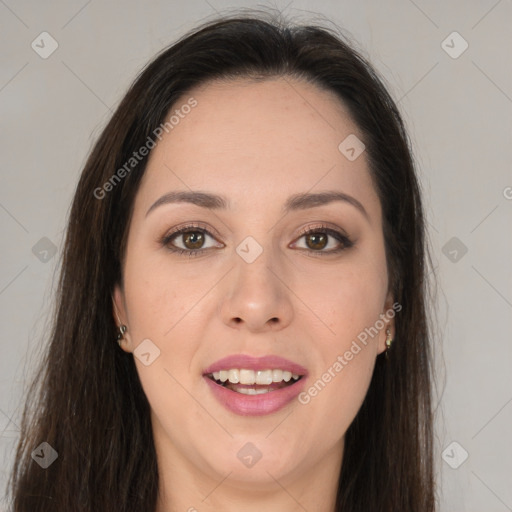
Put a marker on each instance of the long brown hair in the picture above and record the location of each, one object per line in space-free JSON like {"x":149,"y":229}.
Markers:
{"x":87,"y":402}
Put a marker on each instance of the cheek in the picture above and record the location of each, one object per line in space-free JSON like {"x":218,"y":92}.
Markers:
{"x":336,"y":392}
{"x":172,"y":320}
{"x":157,"y":296}
{"x":350,"y":307}
{"x":164,"y":310}
{"x":346,"y":301}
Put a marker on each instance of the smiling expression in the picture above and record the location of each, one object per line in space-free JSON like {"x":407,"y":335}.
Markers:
{"x":252,"y":234}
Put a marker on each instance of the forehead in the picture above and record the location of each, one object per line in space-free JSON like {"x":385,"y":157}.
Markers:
{"x":257,"y":140}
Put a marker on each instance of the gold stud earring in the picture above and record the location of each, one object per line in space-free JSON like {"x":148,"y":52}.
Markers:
{"x":389,"y":339}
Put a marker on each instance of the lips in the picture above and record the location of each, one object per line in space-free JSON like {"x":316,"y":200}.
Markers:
{"x":247,"y":385}
{"x":243,"y":361}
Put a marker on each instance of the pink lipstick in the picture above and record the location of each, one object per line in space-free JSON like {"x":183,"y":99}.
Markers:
{"x":255,"y":386}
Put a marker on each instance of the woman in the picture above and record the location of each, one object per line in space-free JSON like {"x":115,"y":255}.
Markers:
{"x":249,"y":229}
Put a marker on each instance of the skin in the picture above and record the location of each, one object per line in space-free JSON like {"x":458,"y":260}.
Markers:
{"x":256,"y":144}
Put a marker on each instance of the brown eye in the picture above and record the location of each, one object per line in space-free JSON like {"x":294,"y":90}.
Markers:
{"x":193,"y":239}
{"x":190,"y":240}
{"x":324,"y":241}
{"x":316,"y":241}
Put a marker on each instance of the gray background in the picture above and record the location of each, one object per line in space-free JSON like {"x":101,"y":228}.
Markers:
{"x":458,"y":112}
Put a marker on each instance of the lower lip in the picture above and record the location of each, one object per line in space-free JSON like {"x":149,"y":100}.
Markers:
{"x":255,"y":405}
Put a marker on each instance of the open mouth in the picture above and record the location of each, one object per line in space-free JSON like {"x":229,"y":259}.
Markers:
{"x":249,"y":382}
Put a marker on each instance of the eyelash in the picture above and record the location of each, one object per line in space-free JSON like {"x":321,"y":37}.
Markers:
{"x":340,"y":237}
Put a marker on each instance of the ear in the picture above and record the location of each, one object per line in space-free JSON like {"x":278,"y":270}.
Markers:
{"x":120,"y":317}
{"x":388,"y":318}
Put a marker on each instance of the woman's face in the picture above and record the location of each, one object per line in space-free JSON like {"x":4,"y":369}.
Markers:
{"x":257,"y":287}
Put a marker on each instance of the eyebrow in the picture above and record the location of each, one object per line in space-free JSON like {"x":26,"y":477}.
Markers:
{"x":293,"y":203}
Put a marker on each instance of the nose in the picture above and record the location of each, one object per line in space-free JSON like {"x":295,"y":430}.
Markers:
{"x":258,"y":296}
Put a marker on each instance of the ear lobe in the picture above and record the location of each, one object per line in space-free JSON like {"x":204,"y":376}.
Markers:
{"x":384,"y":337}
{"x":119,"y":315}
{"x":388,"y":318}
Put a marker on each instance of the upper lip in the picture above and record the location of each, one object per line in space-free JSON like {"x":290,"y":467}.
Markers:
{"x":247,"y":362}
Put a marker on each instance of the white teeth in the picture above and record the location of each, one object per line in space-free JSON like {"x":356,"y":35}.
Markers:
{"x":264,"y":377}
{"x":260,"y":377}
{"x":277,"y":375}
{"x":234,"y":376}
{"x":252,"y":391}
{"x":247,"y":377}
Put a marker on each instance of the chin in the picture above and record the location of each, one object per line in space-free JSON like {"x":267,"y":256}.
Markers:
{"x":255,"y":462}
